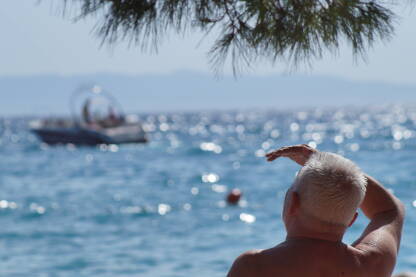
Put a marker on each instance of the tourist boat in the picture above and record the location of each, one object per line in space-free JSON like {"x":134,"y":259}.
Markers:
{"x":101,"y":121}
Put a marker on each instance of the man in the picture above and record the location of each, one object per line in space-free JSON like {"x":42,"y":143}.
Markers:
{"x":319,"y":207}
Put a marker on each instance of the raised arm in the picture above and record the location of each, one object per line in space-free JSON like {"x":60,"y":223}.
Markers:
{"x":378,"y":245}
{"x":380,"y":241}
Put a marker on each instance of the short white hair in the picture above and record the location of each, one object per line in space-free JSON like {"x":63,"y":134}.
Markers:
{"x":331,"y":188}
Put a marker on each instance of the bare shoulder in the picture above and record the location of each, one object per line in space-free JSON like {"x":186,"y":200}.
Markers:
{"x":379,"y":243}
{"x":378,"y":246}
{"x":370,"y":262}
{"x":245,"y":264}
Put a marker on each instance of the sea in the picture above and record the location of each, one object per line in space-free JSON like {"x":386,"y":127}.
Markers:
{"x":158,"y":209}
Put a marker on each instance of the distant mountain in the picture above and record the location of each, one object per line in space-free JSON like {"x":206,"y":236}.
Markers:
{"x":49,"y":94}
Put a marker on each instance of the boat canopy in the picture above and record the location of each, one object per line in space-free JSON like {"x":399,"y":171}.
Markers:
{"x":93,"y":106}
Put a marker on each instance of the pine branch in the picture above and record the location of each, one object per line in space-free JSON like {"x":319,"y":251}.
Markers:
{"x":292,"y":31}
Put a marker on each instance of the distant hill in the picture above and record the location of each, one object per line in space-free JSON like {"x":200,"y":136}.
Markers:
{"x":49,"y":94}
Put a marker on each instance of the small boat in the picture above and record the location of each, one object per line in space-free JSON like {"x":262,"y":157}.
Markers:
{"x":101,"y":121}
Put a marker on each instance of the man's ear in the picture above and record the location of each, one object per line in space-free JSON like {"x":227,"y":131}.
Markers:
{"x":294,"y":203}
{"x":353,"y":219}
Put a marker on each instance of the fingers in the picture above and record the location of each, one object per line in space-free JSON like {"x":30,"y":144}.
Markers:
{"x":277,"y":152}
{"x":293,"y":152}
{"x":281,"y":152}
{"x":272,"y":156}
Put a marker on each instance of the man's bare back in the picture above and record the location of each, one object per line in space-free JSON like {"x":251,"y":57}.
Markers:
{"x":302,"y":257}
{"x":308,"y":253}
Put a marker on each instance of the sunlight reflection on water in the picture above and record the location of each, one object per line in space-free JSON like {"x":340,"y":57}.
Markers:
{"x":141,"y":210}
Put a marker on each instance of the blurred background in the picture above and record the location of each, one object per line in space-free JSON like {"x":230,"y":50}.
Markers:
{"x":159,"y":209}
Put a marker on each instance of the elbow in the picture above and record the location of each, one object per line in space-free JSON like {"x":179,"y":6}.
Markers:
{"x":401,"y":208}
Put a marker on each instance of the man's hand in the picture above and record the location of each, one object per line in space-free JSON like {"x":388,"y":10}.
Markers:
{"x":297,"y":153}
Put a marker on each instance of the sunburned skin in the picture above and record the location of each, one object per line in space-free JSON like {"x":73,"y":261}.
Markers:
{"x":303,"y":257}
{"x":315,"y":249}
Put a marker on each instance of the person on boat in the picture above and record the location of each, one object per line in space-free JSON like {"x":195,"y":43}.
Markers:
{"x":89,"y":120}
{"x":319,"y":206}
{"x":113,"y":119}
{"x":86,"y":115}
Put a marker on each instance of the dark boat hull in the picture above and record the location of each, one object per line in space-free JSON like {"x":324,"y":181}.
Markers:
{"x":83,"y":136}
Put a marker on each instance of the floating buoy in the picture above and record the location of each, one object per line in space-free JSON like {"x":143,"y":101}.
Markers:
{"x":234,"y":196}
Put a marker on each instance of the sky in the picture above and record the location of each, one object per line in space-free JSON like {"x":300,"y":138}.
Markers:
{"x":37,"y":39}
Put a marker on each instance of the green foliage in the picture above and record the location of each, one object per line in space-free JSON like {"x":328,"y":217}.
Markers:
{"x":293,"y":31}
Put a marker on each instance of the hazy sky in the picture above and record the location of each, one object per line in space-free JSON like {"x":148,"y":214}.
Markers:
{"x":37,"y":40}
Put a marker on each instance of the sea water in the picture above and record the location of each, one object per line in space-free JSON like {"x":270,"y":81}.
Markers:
{"x":158,"y":209}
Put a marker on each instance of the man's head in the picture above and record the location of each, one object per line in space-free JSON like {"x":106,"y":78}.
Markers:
{"x":329,"y":188}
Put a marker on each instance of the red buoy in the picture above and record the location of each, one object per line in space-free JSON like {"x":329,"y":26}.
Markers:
{"x":234,"y":196}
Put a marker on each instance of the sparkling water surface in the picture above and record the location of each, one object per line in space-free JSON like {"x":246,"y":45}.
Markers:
{"x":158,"y":209}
